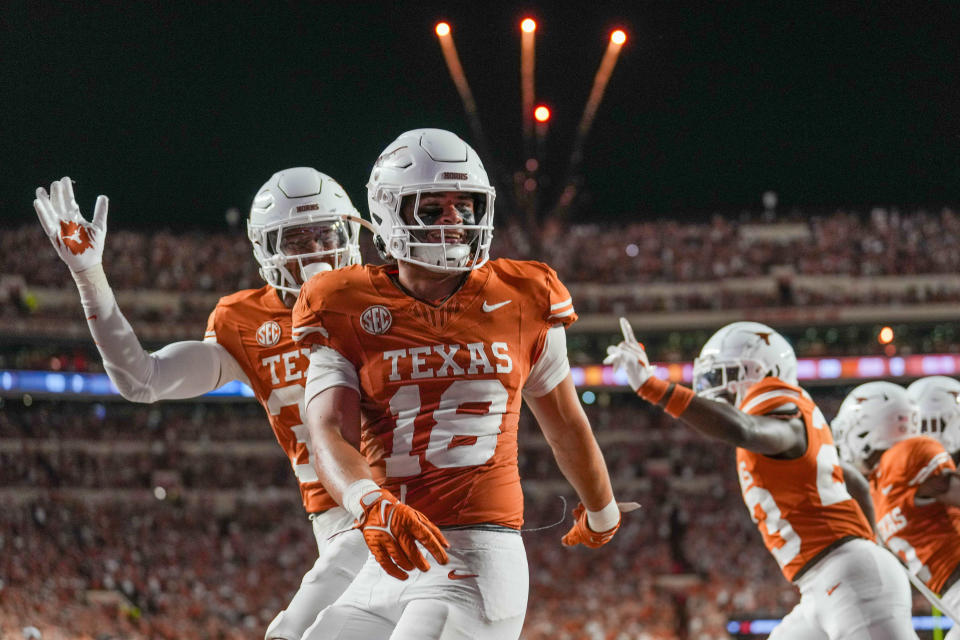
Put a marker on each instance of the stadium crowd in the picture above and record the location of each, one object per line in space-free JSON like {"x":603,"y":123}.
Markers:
{"x":219,"y":552}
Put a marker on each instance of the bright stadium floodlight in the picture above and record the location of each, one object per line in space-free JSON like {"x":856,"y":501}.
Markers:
{"x":618,"y":37}
{"x":529,"y":25}
{"x":443,"y":29}
{"x":541,"y":113}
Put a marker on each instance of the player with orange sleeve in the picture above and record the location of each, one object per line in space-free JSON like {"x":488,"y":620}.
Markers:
{"x":913,"y":482}
{"x":794,"y":485}
{"x":432,"y":357}
{"x":301,"y":222}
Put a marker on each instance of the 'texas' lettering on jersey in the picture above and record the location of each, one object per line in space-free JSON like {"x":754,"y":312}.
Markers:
{"x":891,"y":523}
{"x":288,"y":365}
{"x":442,"y":360}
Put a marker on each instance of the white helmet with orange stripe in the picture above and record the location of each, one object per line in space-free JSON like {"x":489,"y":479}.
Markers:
{"x":740,"y":355}
{"x":938,"y":401}
{"x":873,"y":417}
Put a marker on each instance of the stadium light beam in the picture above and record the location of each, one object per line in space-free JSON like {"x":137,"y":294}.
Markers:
{"x":528,"y":28}
{"x":445,"y":35}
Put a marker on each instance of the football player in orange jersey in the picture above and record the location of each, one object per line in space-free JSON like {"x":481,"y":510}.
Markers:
{"x":793,"y":483}
{"x":432,"y":356}
{"x":913,"y":482}
{"x":301,"y":222}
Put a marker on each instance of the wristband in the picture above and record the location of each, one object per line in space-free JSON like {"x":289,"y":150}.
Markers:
{"x":605,"y":519}
{"x":653,"y":389}
{"x":679,"y":400}
{"x":352,"y":494}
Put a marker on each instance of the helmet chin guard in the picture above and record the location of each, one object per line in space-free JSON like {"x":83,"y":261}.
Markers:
{"x":425,"y":161}
{"x":302,"y":201}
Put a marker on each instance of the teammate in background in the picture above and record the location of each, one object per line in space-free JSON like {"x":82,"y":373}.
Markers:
{"x":913,"y":481}
{"x":434,"y":354}
{"x":300,"y":223}
{"x":793,"y":483}
{"x":938,"y":401}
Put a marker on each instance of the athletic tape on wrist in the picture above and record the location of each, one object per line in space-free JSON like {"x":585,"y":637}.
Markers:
{"x":679,"y":400}
{"x":605,"y":519}
{"x":353,"y":493}
{"x":653,"y":389}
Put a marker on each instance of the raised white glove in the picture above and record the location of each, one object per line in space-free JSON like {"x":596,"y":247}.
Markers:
{"x":78,"y":243}
{"x":630,"y":356}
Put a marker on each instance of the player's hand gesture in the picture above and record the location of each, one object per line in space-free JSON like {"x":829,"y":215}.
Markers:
{"x":581,"y":533}
{"x":78,"y":243}
{"x":630,"y":356}
{"x":392,"y":531}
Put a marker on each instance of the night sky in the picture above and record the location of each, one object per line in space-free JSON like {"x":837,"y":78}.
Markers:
{"x":178,"y":112}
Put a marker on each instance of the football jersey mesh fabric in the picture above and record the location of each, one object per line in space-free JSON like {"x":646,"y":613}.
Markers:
{"x":924,"y":533}
{"x":441,"y":384}
{"x":801,"y":506}
{"x":254,"y":326}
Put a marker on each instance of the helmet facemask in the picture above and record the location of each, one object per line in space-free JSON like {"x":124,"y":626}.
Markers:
{"x":727,"y":380}
{"x":445,"y":247}
{"x":291,"y":253}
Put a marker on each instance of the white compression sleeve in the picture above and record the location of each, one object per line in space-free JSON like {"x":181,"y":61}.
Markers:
{"x":179,"y":370}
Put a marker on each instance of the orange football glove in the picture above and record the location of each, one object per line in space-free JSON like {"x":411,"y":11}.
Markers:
{"x":392,"y":530}
{"x":581,"y":533}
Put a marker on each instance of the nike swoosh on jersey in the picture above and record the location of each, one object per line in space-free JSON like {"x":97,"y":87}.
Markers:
{"x":453,"y":575}
{"x":885,"y":490}
{"x":493,"y":307}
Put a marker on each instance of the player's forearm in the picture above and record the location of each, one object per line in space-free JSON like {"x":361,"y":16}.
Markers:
{"x":180,"y":370}
{"x":724,"y":422}
{"x":582,"y":464}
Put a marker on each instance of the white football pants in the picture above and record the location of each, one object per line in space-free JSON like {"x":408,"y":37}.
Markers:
{"x":856,"y":592}
{"x":338,"y":561}
{"x":480,"y":594}
{"x":952,"y":599}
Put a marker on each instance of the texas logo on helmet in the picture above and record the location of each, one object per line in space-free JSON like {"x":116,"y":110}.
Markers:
{"x":75,"y":237}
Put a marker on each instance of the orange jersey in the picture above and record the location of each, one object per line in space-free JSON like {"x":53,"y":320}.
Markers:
{"x":802,"y":505}
{"x":254,"y":327}
{"x":925,"y":533}
{"x":440,"y":385}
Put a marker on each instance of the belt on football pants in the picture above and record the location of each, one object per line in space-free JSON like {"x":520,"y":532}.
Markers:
{"x":823,"y":552}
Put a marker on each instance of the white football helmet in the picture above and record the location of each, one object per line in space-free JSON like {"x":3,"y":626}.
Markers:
{"x":938,"y":402}
{"x":430,"y":161}
{"x":740,"y":355}
{"x":873,"y":417}
{"x":298,"y":227}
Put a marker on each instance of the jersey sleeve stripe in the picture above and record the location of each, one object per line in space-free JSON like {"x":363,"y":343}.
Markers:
{"x":934,"y":464}
{"x":562,"y":314}
{"x":560,"y":305}
{"x":783,"y":396}
{"x":299,"y":333}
